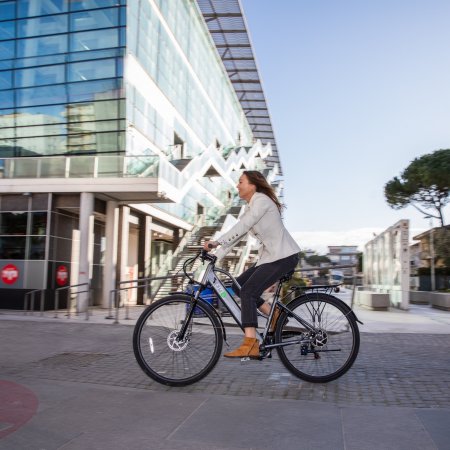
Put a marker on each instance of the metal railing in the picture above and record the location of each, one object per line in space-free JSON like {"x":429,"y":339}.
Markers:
{"x":139,"y":283}
{"x":28,"y":303}
{"x":71,"y":295}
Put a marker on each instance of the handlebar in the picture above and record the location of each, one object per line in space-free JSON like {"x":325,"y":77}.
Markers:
{"x":204,"y":256}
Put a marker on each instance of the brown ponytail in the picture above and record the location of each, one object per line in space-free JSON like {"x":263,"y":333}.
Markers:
{"x":258,"y":179}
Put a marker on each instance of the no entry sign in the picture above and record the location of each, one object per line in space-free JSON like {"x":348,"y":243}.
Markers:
{"x":10,"y":274}
{"x":62,"y":275}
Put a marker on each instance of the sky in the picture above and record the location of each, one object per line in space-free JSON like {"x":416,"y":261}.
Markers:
{"x":356,"y":90}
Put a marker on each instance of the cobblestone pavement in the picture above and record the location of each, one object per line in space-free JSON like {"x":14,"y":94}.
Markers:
{"x":410,"y":370}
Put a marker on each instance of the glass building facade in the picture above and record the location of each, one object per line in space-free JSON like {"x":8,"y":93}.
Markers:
{"x":111,"y":111}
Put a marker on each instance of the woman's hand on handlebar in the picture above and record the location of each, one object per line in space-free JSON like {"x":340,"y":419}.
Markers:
{"x":209,"y":245}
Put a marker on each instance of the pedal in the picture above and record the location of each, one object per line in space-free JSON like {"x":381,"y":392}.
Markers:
{"x":245,"y":359}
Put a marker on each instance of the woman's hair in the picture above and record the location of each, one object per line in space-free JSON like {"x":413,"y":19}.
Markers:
{"x":258,"y":179}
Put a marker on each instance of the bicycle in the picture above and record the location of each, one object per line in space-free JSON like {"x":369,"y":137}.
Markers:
{"x":178,"y":339}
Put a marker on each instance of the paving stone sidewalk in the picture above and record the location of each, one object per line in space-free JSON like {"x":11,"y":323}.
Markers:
{"x":406,"y":370}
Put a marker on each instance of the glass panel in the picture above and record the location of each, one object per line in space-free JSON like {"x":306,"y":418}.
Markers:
{"x":41,"y":95}
{"x":92,"y":90}
{"x":104,"y":125}
{"x":6,"y":49}
{"x":93,"y":20}
{"x":40,"y":61}
{"x":40,"y":76}
{"x":41,"y":130}
{"x":46,"y":45}
{"x":7,"y":133}
{"x":7,"y":30}
{"x":91,"y":70}
{"x":29,"y":8}
{"x":37,"y":247}
{"x":60,"y":249}
{"x":63,"y":225}
{"x":12,"y":247}
{"x":110,"y":166}
{"x":92,"y":40}
{"x":6,"y":79}
{"x":5,"y":65}
{"x":53,"y":167}
{"x":42,"y":25}
{"x":8,"y":10}
{"x":95,"y":54}
{"x":50,"y":145}
{"x":82,"y":166}
{"x":13,"y":223}
{"x":7,"y":99}
{"x":77,"y":5}
{"x":41,"y":115}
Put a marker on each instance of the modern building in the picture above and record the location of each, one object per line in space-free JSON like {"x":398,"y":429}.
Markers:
{"x":124,"y":126}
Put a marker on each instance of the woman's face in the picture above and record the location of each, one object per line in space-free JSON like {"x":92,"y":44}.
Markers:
{"x":245,"y":188}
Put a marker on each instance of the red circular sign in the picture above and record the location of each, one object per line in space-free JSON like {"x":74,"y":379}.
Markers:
{"x":10,"y":274}
{"x":62,"y":275}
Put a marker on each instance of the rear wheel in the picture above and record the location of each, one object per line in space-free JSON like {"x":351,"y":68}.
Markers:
{"x":166,"y":357}
{"x":325,"y":354}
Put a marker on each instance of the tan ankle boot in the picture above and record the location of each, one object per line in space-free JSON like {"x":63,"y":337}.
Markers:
{"x":248,"y":349}
{"x":273,"y":322}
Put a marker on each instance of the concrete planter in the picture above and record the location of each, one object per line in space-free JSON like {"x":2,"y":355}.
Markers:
{"x":373,"y":300}
{"x":439,"y":300}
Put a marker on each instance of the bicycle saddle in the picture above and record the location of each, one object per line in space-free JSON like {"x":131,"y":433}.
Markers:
{"x":287,"y":276}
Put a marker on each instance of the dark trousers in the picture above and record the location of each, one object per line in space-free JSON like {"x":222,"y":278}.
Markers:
{"x":255,"y":280}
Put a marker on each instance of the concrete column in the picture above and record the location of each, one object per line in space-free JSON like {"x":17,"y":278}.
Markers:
{"x":112,"y":238}
{"x":148,"y":254}
{"x":86,"y":225}
{"x":124,"y":238}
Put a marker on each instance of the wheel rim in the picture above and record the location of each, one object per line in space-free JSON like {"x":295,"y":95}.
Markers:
{"x":169,"y":358}
{"x":324,"y":354}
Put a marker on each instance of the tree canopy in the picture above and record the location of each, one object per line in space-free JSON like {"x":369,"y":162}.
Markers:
{"x":425,"y":182}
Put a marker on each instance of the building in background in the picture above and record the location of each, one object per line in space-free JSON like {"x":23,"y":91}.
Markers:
{"x":124,"y":127}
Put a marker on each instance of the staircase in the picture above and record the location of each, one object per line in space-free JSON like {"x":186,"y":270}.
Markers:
{"x":193,"y":246}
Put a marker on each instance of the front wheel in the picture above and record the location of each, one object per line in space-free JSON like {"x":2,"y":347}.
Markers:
{"x":166,"y":356}
{"x":324,"y":354}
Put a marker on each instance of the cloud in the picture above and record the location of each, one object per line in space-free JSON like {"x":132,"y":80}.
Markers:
{"x":320,"y":240}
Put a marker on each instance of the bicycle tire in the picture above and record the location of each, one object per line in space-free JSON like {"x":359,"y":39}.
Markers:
{"x":172,"y":362}
{"x":327,"y":355}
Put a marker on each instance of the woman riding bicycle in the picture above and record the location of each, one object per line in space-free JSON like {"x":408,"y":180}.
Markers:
{"x":278,"y":253}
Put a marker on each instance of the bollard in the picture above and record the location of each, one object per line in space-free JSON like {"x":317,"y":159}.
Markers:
{"x":42,"y":302}
{"x":117,"y":309}
{"x":56,"y":304}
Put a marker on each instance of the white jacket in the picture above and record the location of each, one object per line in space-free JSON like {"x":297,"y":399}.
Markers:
{"x":263,"y":220}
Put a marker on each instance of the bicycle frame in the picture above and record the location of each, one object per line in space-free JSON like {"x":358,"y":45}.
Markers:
{"x":210,"y":279}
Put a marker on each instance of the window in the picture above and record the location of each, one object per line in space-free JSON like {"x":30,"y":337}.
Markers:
{"x":91,"y":70}
{"x":93,"y":40}
{"x":41,"y":95}
{"x":6,"y":79}
{"x":92,"y":90}
{"x":13,"y":223}
{"x":40,"y":115}
{"x":47,"y":45}
{"x":7,"y":10}
{"x":40,"y":76}
{"x":37,"y":247}
{"x":77,"y":5}
{"x":93,"y":20}
{"x":6,"y":49}
{"x":12,"y":247}
{"x":29,"y":8}
{"x":7,"y":99}
{"x":42,"y":25}
{"x":7,"y":30}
